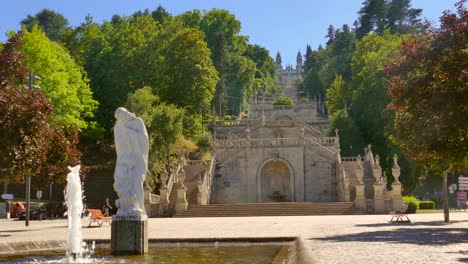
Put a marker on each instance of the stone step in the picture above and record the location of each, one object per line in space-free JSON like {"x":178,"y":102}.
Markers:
{"x":270,"y":209}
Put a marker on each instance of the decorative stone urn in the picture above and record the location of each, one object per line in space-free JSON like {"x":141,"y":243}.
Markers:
{"x":396,"y":169}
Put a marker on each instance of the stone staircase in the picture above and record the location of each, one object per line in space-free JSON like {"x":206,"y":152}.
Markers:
{"x":192,"y":172}
{"x":271,"y":209}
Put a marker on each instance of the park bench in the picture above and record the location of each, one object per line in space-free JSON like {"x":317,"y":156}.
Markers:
{"x":400,"y":216}
{"x":96,"y":216}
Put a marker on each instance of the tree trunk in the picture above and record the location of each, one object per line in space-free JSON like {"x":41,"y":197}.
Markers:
{"x":445,"y":194}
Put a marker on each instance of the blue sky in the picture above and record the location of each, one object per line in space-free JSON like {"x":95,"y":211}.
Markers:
{"x":287,"y":25}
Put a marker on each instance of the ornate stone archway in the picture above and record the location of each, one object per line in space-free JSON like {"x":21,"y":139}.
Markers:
{"x":275,"y":181}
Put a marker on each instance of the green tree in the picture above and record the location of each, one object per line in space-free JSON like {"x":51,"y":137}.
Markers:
{"x":401,"y":17}
{"x":160,"y":14}
{"x":337,"y":95}
{"x":189,"y":75}
{"x":52,"y":23}
{"x":240,"y":83}
{"x":164,"y":124}
{"x":372,"y":17}
{"x":338,"y":57}
{"x":29,"y":144}
{"x":63,"y":81}
{"x":428,"y":91}
{"x":369,"y":88}
{"x":351,"y":141}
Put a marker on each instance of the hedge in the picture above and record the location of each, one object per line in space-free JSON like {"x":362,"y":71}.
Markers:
{"x":426,"y":205}
{"x":283,"y":101}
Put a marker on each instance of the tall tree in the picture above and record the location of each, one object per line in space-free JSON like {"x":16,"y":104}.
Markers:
{"x":54,"y":24}
{"x":401,"y":17}
{"x":372,"y":17}
{"x":63,"y":81}
{"x":29,"y":144}
{"x":12,"y":70}
{"x":218,"y":52}
{"x":428,"y":89}
{"x":330,"y":35}
{"x":160,"y":14}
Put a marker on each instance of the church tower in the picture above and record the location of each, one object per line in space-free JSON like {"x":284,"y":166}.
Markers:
{"x":299,"y":61}
{"x":279,"y":63}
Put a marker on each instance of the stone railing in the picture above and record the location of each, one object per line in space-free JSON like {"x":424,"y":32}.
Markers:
{"x":324,"y":141}
{"x":283,"y":107}
{"x":315,"y":119}
{"x":267,"y":142}
{"x":280,"y":123}
{"x":350,"y":159}
{"x":204,"y":186}
{"x":315,"y":132}
{"x":321,"y":148}
{"x":173,"y":178}
{"x":228,"y":123}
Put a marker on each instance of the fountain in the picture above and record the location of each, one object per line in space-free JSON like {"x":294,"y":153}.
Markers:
{"x":76,"y":248}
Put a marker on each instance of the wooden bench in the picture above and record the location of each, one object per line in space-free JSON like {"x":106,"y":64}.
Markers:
{"x":96,"y":216}
{"x":400,"y":215}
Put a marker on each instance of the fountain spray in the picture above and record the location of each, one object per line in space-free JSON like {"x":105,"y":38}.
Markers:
{"x":75,"y":208}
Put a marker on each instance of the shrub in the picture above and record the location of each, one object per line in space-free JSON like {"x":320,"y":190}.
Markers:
{"x":304,"y":100}
{"x":277,"y":196}
{"x":412,"y":208}
{"x":410,"y":199}
{"x":230,"y":117}
{"x":426,"y":205}
{"x":283,"y":101}
{"x":204,"y":142}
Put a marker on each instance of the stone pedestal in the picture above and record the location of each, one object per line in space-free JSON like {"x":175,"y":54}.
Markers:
{"x":379,"y":202}
{"x":147,"y":200}
{"x":397,"y":200}
{"x":181,"y":203}
{"x":129,"y":237}
{"x":360,"y":201}
{"x":164,"y":201}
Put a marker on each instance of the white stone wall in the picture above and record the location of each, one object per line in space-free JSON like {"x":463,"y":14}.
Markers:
{"x":312,"y":175}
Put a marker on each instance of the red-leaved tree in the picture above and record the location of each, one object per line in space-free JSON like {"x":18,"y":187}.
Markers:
{"x":29,"y":143}
{"x":428,"y":87}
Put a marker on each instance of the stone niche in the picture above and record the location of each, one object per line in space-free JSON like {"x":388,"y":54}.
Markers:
{"x":275,"y":182}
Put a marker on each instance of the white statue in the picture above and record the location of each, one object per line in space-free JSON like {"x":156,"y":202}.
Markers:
{"x":131,"y":144}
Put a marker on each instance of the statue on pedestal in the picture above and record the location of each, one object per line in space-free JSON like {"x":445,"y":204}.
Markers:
{"x":131,"y":144}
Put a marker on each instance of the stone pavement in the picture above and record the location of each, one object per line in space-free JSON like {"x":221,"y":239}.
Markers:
{"x":331,"y":239}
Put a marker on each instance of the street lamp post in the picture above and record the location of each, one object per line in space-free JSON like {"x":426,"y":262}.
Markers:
{"x":28,"y":177}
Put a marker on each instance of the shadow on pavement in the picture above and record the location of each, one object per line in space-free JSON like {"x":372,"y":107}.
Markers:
{"x":433,"y":223}
{"x":14,"y":231}
{"x":416,"y":236}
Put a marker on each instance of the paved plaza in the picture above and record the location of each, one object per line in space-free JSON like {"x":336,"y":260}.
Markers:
{"x":330,"y":239}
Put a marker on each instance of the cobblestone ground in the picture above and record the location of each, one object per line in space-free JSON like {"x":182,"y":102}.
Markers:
{"x":331,"y":239}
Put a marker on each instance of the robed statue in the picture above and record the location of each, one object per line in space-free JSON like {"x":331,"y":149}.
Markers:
{"x":131,"y":144}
